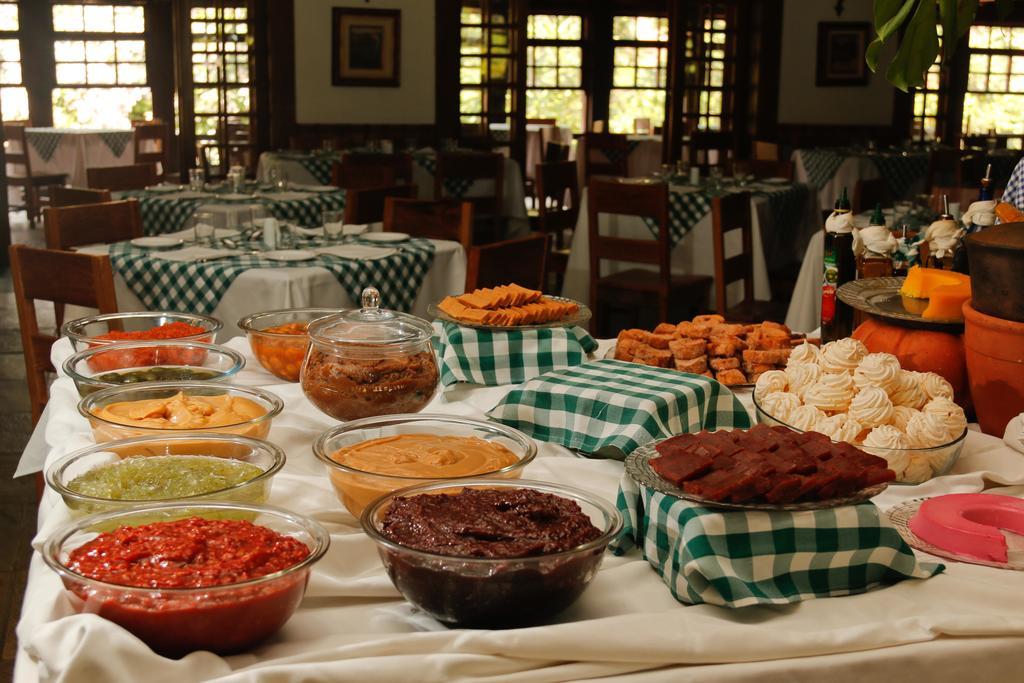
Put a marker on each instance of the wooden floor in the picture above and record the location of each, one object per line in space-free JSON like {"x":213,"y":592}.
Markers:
{"x":17,"y":496}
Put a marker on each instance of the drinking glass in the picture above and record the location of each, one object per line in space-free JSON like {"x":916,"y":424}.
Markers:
{"x":285,"y":235}
{"x":203,"y":226}
{"x":333,"y":221}
{"x":236,"y":175}
{"x":278,"y":178}
{"x":257,"y":214}
{"x":196,"y":179}
{"x":327,"y":145}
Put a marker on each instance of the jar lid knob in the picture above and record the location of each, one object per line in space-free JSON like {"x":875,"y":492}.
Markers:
{"x":370,"y":298}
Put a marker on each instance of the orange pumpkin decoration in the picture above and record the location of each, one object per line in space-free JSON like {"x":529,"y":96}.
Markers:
{"x":921,"y":350}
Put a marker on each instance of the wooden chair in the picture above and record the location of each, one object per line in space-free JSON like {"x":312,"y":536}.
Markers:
{"x":117,"y":178}
{"x":19,"y":171}
{"x":554,"y":151}
{"x":441,"y":220}
{"x":151,"y":144}
{"x":963,"y":195}
{"x":61,"y":195}
{"x":521,"y":260}
{"x":74,"y":226}
{"x":558,"y":200}
{"x":944,"y":168}
{"x":706,"y":149}
{"x":867,"y":193}
{"x":605,"y":154}
{"x":729,"y":213}
{"x":472,"y":167}
{"x":766,"y":151}
{"x":400,"y":164}
{"x":352,"y":177}
{"x":367,"y":205}
{"x":84,"y":280}
{"x":631,"y":290}
{"x":762,"y":168}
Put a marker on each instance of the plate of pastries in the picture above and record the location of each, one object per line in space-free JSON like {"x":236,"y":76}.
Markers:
{"x":735,"y":354}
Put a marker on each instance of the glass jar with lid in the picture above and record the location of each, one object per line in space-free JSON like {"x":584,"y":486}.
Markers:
{"x":370,"y":361}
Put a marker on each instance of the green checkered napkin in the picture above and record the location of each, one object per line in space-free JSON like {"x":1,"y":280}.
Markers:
{"x":737,"y":558}
{"x":609,"y":407}
{"x":507,"y":356}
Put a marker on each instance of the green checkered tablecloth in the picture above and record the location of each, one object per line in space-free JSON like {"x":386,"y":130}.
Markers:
{"x":319,"y":166}
{"x":198,"y":287}
{"x":737,"y":558}
{"x":44,"y":142}
{"x":609,"y":408}
{"x":507,"y":356}
{"x":821,"y":165}
{"x":901,"y":171}
{"x":162,"y":214}
{"x":117,"y":140}
{"x":617,"y":155}
{"x":453,"y":187}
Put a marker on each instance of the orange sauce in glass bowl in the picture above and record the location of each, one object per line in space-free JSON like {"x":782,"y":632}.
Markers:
{"x":281,"y":357}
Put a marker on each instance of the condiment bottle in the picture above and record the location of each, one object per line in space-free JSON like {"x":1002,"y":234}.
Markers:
{"x":839,"y":267}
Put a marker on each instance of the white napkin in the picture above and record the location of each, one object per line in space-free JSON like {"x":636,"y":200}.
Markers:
{"x":189,"y":233}
{"x":1014,"y":435}
{"x":163,"y":187}
{"x":195,"y":253}
{"x":980,"y":213}
{"x":285,"y":196}
{"x":356,"y":251}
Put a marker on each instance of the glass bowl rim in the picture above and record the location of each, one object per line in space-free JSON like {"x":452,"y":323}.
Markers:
{"x":70,"y":362}
{"x":213,"y":326}
{"x":276,"y":403}
{"x":613,"y":518}
{"x":56,"y":469}
{"x":246,"y":323}
{"x":55,"y":543}
{"x":320,"y":450}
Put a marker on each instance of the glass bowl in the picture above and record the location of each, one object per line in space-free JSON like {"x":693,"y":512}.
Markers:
{"x":175,"y":621}
{"x":357,"y":488}
{"x":112,"y":365}
{"x":105,"y":429}
{"x":281,"y":354}
{"x":475,"y":592}
{"x":262,"y":454}
{"x":939,"y":459}
{"x":85,"y":332}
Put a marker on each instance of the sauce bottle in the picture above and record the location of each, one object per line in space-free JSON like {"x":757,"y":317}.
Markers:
{"x":839,"y":267}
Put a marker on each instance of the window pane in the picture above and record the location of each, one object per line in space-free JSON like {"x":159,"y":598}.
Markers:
{"x":71,"y":73}
{"x":545,"y":56}
{"x":68,"y":18}
{"x":14,"y":104}
{"x":471,"y":101}
{"x":570,"y":56}
{"x":10,"y":73}
{"x":101,"y":74}
{"x":100,"y":107}
{"x":570,"y":27}
{"x":979,"y":36}
{"x":976,"y":82}
{"x":99,"y":50}
{"x":624,"y":56}
{"x":999,"y":39}
{"x":647,"y":78}
{"x":1000,"y":64}
{"x":9,"y":51}
{"x":565,"y":106}
{"x":1003,"y":112}
{"x":129,"y":19}
{"x":8,"y":18}
{"x":570,"y":78}
{"x":472,"y":41}
{"x":627,"y":105}
{"x":131,"y":51}
{"x":471,"y":70}
{"x":545,"y":76}
{"x":624,"y":28}
{"x":997,"y":83}
{"x":69,"y":50}
{"x":648,"y":28}
{"x":131,"y":74}
{"x":237,"y":100}
{"x":647,"y":56}
{"x":99,"y":18}
{"x":624,"y":77}
{"x":207,"y":101}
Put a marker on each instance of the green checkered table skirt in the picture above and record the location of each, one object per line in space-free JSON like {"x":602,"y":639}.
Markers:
{"x":821,"y":165}
{"x":198,"y":287}
{"x":901,"y":172}
{"x":609,"y":408}
{"x":507,"y":356}
{"x":737,"y":558}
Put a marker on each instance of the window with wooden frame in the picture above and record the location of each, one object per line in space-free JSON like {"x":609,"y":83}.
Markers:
{"x":222,"y":81}
{"x":554,"y":69}
{"x":489,"y":34}
{"x":639,"y":72}
{"x":928,"y":115}
{"x":994,"y":101}
{"x":709,"y":67}
{"x":100,"y":65}
{"x":13,"y":96}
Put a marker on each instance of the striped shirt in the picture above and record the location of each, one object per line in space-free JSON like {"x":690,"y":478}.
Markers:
{"x":1014,"y":192}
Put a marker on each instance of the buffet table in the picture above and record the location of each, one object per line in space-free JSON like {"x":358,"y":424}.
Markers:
{"x":966,"y":623}
{"x":73,"y":151}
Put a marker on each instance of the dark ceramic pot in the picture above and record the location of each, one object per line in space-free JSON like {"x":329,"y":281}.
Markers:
{"x":996,"y":256}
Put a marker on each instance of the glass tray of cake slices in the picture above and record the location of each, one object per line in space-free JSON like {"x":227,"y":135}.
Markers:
{"x":901,"y":515}
{"x":510,"y":307}
{"x":713,"y":482}
{"x":880,"y":296}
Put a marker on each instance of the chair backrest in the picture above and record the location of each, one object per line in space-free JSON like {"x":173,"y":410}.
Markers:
{"x":401,"y":164}
{"x":766,"y":151}
{"x":554,"y":151}
{"x":470,"y":167}
{"x":944,"y":167}
{"x":605,"y":154}
{"x":728,"y":213}
{"x":74,"y":226}
{"x":447,"y":219}
{"x":366,"y":205}
{"x":708,"y":148}
{"x":85,"y":280}
{"x":61,"y":195}
{"x":962,"y":195}
{"x":867,"y":193}
{"x":350,"y":176}
{"x":16,"y":148}
{"x":151,"y":142}
{"x":762,"y":168}
{"x":558,"y":196}
{"x":522,"y":260}
{"x":116,"y":178}
{"x":642,"y":126}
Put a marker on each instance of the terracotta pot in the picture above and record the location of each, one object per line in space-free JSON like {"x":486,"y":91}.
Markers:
{"x":995,"y":368}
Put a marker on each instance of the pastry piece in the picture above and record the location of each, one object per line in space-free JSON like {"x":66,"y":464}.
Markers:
{"x":696,"y":366}
{"x":625,"y":349}
{"x":725,"y":346}
{"x":685,"y":349}
{"x":661,"y":358}
{"x":659,"y":341}
{"x":731,"y":377}
{"x":712,"y":319}
{"x":725,"y":363}
{"x":766,"y":356}
{"x":693,"y":331}
{"x":666,"y":328}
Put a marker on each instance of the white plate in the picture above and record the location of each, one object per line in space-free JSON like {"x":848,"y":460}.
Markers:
{"x":384,"y":237}
{"x":156,"y":242}
{"x":777,"y":181}
{"x":164,"y":188}
{"x":289,"y":255}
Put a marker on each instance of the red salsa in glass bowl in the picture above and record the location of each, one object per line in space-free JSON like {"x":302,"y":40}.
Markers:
{"x":185,"y":577}
{"x":113,"y":328}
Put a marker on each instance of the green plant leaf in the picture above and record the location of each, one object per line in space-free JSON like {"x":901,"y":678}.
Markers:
{"x":889,"y":16}
{"x":918,"y":49}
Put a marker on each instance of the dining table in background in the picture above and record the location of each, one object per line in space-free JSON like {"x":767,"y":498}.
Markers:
{"x":74,"y":150}
{"x":832,"y":170}
{"x":643,"y":155}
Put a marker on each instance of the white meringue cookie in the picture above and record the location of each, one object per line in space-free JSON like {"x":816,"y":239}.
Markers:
{"x":877,"y":370}
{"x":780,"y":405}
{"x":831,"y":393}
{"x":805,"y":353}
{"x":805,"y":417}
{"x":926,"y":430}
{"x":887,"y":442}
{"x":871,"y":407}
{"x":951,"y":414}
{"x":770,"y":382}
{"x":839,"y":427}
{"x":900,"y":416}
{"x":918,"y":470}
{"x":802,"y":375}
{"x":907,"y":391}
{"x":935,"y":385}
{"x":842,"y":355}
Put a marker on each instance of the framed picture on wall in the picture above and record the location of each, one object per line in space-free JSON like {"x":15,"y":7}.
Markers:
{"x":841,"y":47}
{"x":365,"y":47}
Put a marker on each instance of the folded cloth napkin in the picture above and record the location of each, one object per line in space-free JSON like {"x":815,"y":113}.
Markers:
{"x":609,"y":408}
{"x":190,"y":233}
{"x":285,"y":196}
{"x":737,"y":558}
{"x":356,"y":251}
{"x":1014,"y":434}
{"x":350,"y":229}
{"x":507,"y":356}
{"x":194,"y":254}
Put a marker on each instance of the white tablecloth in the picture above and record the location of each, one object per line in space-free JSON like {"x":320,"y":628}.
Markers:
{"x":852,"y":169}
{"x":77,"y":151}
{"x":694,"y":254}
{"x":964,"y":624}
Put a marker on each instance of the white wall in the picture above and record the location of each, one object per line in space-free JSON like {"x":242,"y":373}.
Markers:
{"x":800,"y":101}
{"x":317,"y":101}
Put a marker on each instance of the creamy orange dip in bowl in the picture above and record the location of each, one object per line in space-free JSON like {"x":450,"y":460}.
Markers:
{"x":147,"y":409}
{"x":372,"y":457}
